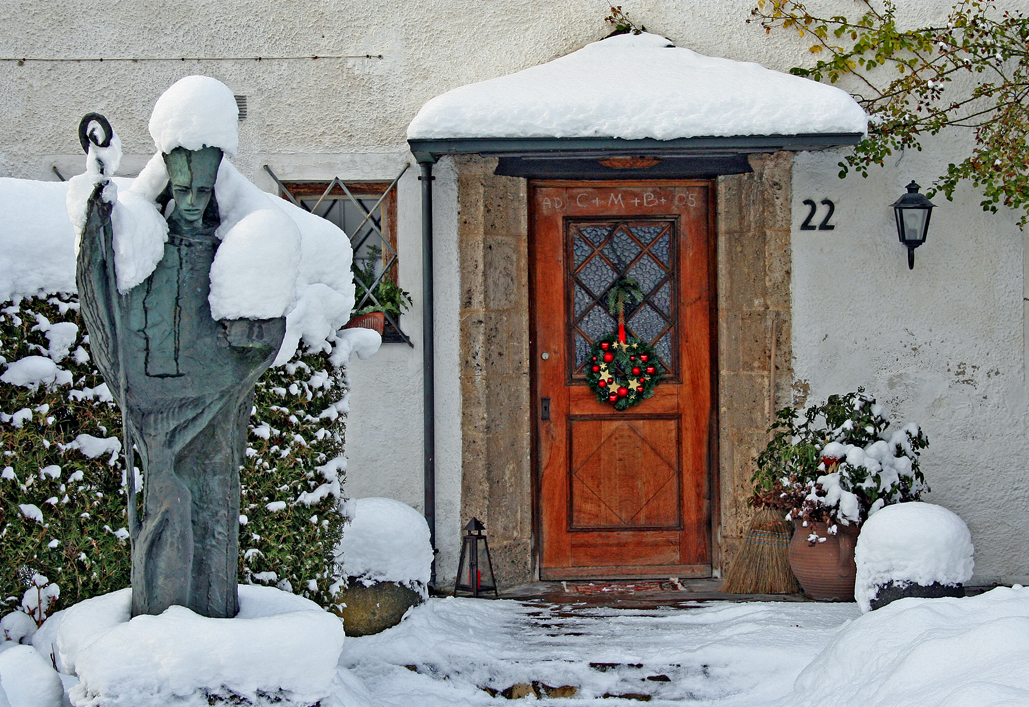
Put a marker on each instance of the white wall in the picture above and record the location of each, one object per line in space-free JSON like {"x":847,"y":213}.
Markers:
{"x":942,"y":345}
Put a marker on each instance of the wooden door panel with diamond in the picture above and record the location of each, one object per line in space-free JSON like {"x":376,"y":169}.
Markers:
{"x":622,"y":493}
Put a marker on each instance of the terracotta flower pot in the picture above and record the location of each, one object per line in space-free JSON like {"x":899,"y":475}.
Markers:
{"x":825,"y":570}
{"x":371,"y":320}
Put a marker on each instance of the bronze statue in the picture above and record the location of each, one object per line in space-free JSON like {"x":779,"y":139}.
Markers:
{"x":185,"y":383}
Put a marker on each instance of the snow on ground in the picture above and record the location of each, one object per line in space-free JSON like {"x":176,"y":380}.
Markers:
{"x":967,"y":652}
{"x":279,"y":644}
{"x":739,"y":654}
{"x":635,"y":87}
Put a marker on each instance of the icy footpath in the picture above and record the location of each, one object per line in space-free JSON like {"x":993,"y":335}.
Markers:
{"x":950,"y":652}
{"x":448,"y":651}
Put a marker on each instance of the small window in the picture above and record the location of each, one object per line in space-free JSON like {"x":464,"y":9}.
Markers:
{"x":367,"y":212}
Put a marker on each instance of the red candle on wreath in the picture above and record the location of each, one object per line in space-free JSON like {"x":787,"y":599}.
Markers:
{"x":613,"y":397}
{"x":609,"y":357}
{"x":623,"y":391}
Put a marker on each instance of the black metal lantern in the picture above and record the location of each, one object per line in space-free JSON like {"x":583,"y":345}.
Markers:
{"x":912,"y":211}
{"x":475,"y":568}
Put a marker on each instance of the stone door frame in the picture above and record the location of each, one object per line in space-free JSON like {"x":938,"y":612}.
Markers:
{"x":754,"y":356}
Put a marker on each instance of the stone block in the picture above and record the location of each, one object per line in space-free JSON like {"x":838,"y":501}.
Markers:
{"x":743,"y":401}
{"x":729,"y":340}
{"x":755,"y":341}
{"x":374,"y":608}
{"x":745,"y":277}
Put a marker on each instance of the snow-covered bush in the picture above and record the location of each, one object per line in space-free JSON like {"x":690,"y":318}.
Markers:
{"x":911,"y":544}
{"x":62,"y":513}
{"x":837,"y":464}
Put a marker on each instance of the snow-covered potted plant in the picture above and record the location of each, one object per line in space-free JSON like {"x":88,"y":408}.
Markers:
{"x":828,"y":469}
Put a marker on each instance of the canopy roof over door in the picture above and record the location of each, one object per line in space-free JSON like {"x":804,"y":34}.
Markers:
{"x":636,"y":95}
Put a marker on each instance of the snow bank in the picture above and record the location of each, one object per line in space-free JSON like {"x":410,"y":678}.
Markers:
{"x":279,"y":644}
{"x":912,"y":542}
{"x":926,"y":653}
{"x":636,"y":87}
{"x":386,"y":541}
{"x":37,"y":241}
{"x":28,"y":680}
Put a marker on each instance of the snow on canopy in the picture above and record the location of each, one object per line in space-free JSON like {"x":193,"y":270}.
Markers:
{"x":634,"y":87}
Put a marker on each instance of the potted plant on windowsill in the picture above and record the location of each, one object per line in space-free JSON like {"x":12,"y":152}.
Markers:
{"x":828,"y":469}
{"x":376,"y":296}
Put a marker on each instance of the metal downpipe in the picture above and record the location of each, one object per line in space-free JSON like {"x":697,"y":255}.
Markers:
{"x":428,"y":365}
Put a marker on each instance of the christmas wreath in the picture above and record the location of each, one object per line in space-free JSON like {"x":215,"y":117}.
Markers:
{"x":622,"y":369}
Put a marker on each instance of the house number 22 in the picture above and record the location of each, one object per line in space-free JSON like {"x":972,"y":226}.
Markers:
{"x":824,"y":225}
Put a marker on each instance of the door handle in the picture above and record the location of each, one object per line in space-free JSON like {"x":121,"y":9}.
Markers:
{"x":545,"y":409}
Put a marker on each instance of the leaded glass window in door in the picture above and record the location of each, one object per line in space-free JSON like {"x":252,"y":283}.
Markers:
{"x":599,"y":253}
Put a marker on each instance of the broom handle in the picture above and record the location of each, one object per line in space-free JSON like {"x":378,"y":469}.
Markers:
{"x":771,"y":369}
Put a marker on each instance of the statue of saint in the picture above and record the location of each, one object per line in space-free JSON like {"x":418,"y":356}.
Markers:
{"x":185,"y":383}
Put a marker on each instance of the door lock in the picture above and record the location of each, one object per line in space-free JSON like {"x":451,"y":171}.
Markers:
{"x":545,"y":409}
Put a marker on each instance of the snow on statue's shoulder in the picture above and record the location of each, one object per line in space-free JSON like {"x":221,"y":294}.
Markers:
{"x":635,"y":87}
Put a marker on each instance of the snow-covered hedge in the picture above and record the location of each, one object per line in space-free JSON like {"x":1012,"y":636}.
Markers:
{"x":62,"y":503}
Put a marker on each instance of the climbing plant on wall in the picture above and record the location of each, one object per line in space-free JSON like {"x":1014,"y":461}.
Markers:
{"x":969,"y":71}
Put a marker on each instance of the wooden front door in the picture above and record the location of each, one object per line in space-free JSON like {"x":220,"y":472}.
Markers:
{"x":622,"y":494}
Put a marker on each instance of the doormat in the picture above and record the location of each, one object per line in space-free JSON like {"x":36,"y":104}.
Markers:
{"x":668,"y":585}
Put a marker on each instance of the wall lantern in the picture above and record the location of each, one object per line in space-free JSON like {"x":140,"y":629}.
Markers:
{"x":913,"y":211}
{"x":475,"y":562}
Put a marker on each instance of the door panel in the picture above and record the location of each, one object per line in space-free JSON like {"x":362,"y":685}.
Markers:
{"x":622,"y":494}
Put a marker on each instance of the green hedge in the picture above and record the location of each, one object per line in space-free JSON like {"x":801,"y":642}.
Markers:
{"x":294,"y":456}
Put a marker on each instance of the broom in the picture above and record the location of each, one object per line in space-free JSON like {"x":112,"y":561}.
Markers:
{"x":762,"y":565}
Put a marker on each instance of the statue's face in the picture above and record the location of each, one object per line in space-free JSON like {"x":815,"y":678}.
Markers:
{"x":192,"y":174}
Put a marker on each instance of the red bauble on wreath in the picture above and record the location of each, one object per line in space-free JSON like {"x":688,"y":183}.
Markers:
{"x":629,"y":388}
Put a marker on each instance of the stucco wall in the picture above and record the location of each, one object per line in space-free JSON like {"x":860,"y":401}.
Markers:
{"x":940,"y":345}
{"x":943,"y":345}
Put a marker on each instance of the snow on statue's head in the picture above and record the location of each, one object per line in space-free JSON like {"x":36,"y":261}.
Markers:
{"x":196,"y":112}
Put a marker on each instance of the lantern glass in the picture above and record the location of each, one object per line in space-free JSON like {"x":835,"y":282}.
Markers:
{"x":911,"y":223}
